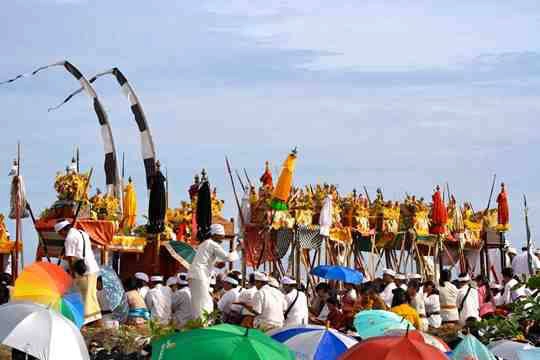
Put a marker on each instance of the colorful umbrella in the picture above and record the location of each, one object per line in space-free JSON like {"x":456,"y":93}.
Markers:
{"x":48,"y":284}
{"x":112,"y":286}
{"x":339,"y":273}
{"x":220,"y":342}
{"x":314,"y":342}
{"x":284,"y":184}
{"x":370,"y":323}
{"x":428,"y":339}
{"x":409,"y":347}
{"x":471,"y":348}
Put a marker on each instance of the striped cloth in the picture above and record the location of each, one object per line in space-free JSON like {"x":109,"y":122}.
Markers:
{"x":308,"y":236}
{"x":147,"y":143}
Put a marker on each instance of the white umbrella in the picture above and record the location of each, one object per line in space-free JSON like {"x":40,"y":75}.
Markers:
{"x":508,"y":350}
{"x":40,"y":332}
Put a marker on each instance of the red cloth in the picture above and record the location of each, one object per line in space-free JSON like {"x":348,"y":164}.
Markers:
{"x":410,"y":347}
{"x":100,"y":231}
{"x":266,"y":179}
{"x":439,"y":215}
{"x":503,"y":215}
{"x":256,"y":236}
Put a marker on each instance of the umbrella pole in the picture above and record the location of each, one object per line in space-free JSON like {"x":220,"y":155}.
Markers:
{"x":15,"y":262}
{"x":156,"y":253}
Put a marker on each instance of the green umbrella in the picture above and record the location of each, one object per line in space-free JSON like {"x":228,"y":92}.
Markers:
{"x":220,"y":342}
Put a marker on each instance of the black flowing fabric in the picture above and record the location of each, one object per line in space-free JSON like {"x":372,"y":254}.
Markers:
{"x":204,"y":211}
{"x":157,"y":204}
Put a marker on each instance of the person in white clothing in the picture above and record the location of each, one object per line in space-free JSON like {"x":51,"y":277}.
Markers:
{"x":142,"y":281}
{"x":448,"y":298}
{"x":389,"y":285}
{"x":172,"y":283}
{"x":509,"y":255}
{"x":246,"y":297}
{"x":181,"y":305}
{"x":83,"y":264}
{"x":467,"y":300}
{"x":208,"y":253}
{"x":297,"y":312}
{"x":269,"y":305}
{"x":228,"y":302}
{"x":401,"y":281}
{"x":496,"y":294}
{"x":509,"y":282}
{"x":432,"y":305}
{"x":159,"y":300}
{"x":417,"y":302}
{"x":520,"y":264}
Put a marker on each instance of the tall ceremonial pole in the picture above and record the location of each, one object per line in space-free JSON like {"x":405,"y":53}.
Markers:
{"x":528,"y":232}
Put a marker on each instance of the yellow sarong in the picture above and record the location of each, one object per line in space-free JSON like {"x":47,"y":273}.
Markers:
{"x":87,"y":286}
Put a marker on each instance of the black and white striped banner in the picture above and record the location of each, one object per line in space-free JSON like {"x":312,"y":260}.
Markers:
{"x":147,"y":142}
{"x":111,"y":166}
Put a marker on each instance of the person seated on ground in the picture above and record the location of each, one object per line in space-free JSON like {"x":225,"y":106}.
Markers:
{"x":509,"y":282}
{"x":318,"y":302}
{"x":158,"y":300}
{"x":138,"y":313}
{"x":448,"y":298}
{"x":181,"y":304}
{"x":142,"y":281}
{"x":269,"y":305}
{"x":467,"y":299}
{"x":417,"y":302}
{"x":432,"y":304}
{"x":370,"y":299}
{"x":246,"y":297}
{"x":348,"y":301}
{"x":335,"y":318}
{"x":231,"y":313}
{"x":401,"y":307}
{"x":297,"y":312}
{"x":496,"y":294}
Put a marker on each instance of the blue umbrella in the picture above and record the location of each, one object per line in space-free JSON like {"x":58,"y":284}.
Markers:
{"x":370,"y":323}
{"x":339,"y":273}
{"x":112,"y":286}
{"x":314,"y":342}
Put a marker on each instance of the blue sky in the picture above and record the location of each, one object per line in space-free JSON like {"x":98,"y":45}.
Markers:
{"x":377,"y":93}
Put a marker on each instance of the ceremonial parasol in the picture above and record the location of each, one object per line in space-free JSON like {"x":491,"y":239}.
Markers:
{"x":48,"y":284}
{"x":409,"y":347}
{"x":314,"y":342}
{"x":338,"y":273}
{"x":157,"y":203}
{"x":439,"y":214}
{"x":220,"y":342}
{"x":204,"y":210}
{"x":371,"y":323}
{"x":130,"y":206}
{"x":40,"y":332}
{"x":284,"y":184}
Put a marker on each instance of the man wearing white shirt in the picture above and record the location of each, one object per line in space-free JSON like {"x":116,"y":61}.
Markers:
{"x":520,"y":264}
{"x":467,"y":300}
{"x":509,"y":282}
{"x":246,"y":297}
{"x":181,"y":304}
{"x":389,"y":285}
{"x":228,"y":302}
{"x":81,"y":259}
{"x":297,"y":312}
{"x":269,"y":305}
{"x":496,"y":294}
{"x":142,"y":283}
{"x":159,"y":301}
{"x":401,"y":281}
{"x":208,"y":253}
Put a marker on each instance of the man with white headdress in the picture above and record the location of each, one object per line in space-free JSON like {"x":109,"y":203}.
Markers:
{"x":181,"y":304}
{"x":227,"y":304}
{"x":159,"y":300}
{"x":468,"y":301}
{"x":209,"y":252}
{"x":84,"y":267}
{"x":142,"y":281}
{"x":389,"y":285}
{"x":401,"y":281}
{"x":520,"y":264}
{"x":509,"y":255}
{"x":297,"y":312}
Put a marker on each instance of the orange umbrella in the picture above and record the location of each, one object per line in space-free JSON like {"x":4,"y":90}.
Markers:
{"x":410,"y":347}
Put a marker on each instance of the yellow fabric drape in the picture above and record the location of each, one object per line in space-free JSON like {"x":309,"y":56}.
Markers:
{"x":130,"y":207}
{"x":284,"y":184}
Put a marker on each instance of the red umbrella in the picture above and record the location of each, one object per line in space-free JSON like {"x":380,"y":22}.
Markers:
{"x":439,"y":215}
{"x":503,"y":215}
{"x":408,"y":347}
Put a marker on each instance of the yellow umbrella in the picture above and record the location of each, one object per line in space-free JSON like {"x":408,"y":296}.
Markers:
{"x":284,"y":184}
{"x":130,"y":206}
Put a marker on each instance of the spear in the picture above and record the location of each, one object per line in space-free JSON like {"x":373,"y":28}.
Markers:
{"x":491,"y":193}
{"x":240,"y":180}
{"x":367,"y":194}
{"x":528,"y":232}
{"x":247,"y":177}
{"x":242,"y":220}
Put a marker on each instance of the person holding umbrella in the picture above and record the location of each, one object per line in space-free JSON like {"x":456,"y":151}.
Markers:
{"x":209,"y":254}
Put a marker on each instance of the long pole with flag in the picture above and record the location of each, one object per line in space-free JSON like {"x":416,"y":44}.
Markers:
{"x":528,"y":232}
